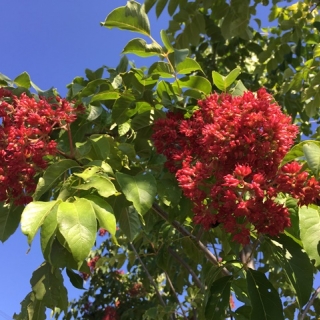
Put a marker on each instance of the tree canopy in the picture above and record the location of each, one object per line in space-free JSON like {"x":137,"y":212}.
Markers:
{"x":201,"y":171}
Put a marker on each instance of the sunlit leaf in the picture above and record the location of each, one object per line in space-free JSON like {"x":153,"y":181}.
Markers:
{"x":131,"y":17}
{"x":187,"y":66}
{"x":312,"y":154}
{"x":140,"y":48}
{"x":195,"y":82}
{"x":140,"y":189}
{"x":310,"y":231}
{"x":23,"y":80}
{"x":34,"y":215}
{"x":77,"y":223}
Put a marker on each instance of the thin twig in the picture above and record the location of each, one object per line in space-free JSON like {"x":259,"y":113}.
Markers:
{"x":183,"y":263}
{"x":308,"y":306}
{"x":175,"y":295}
{"x":185,"y":232}
{"x":149,"y":277}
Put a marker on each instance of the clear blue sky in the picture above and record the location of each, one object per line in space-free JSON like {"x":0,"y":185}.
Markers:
{"x":54,"y":41}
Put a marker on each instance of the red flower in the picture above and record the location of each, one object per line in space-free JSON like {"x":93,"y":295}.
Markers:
{"x":110,"y":313}
{"x":226,"y":158}
{"x":25,"y":140}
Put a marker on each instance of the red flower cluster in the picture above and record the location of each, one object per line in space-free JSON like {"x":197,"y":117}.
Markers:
{"x":226,"y":159}
{"x":26,"y":125}
{"x":110,"y":313}
{"x":92,"y":263}
{"x":136,"y":290}
{"x":102,"y":232}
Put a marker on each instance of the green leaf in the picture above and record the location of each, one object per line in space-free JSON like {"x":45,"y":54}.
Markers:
{"x":95,"y":112}
{"x":239,"y":89}
{"x":77,"y":223}
{"x":195,"y":82}
{"x":101,"y":144}
{"x":296,"y":265}
{"x":218,"y":298}
{"x":129,"y":222}
{"x":316,"y":51}
{"x":265,"y":300}
{"x":48,"y":230}
{"x":309,"y":220}
{"x":34,"y":215}
{"x":221,"y":82}
{"x":52,"y":175}
{"x":160,"y":6}
{"x":163,"y":69}
{"x":104,"y":213}
{"x":75,"y":279}
{"x":47,"y":285}
{"x":140,"y":189}
{"x":103,"y":185}
{"x":180,"y":55}
{"x":187,"y":66}
{"x":140,"y":48}
{"x":232,"y":76}
{"x":312,"y":154}
{"x":131,"y":17}
{"x":9,"y":219}
{"x":23,"y":80}
{"x":31,"y":308}
{"x":166,"y":41}
{"x":106,"y":95}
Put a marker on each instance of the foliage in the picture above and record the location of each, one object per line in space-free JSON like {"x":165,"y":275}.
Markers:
{"x":105,"y":175}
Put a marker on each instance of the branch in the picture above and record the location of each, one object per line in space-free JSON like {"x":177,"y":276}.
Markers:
{"x":148,"y":274}
{"x":185,"y":232}
{"x":176,"y":296}
{"x":308,"y":306}
{"x":183,"y":263}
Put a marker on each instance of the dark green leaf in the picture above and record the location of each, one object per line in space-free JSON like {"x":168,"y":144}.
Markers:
{"x":296,"y":265}
{"x":160,"y":6}
{"x":265,"y":300}
{"x":106,"y":95}
{"x":75,"y":279}
{"x":9,"y":219}
{"x":218,"y":298}
{"x":163,"y":69}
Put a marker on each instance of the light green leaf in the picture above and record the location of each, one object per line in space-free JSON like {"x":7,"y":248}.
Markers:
{"x":296,"y":265}
{"x":52,"y":175}
{"x":195,"y":82}
{"x":23,"y":80}
{"x":106,"y":95}
{"x":239,"y":89}
{"x":47,"y":285}
{"x":95,"y":112}
{"x":104,"y":213}
{"x":265,"y":300}
{"x":77,"y":223}
{"x":312,"y":154}
{"x":309,"y":220}
{"x":218,"y":298}
{"x":140,"y":48}
{"x":187,"y":66}
{"x":131,"y":17}
{"x":232,"y":76}
{"x":166,"y":41}
{"x":34,"y":215}
{"x":219,"y":81}
{"x":48,"y":230}
{"x":129,"y":222}
{"x":163,"y":69}
{"x":103,"y":185}
{"x":140,"y":189}
{"x":316,"y":51}
{"x":9,"y":220}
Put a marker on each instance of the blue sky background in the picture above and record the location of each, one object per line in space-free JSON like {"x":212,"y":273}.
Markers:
{"x":54,"y":41}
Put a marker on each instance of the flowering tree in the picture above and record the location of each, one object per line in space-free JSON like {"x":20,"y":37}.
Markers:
{"x":193,"y":169}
